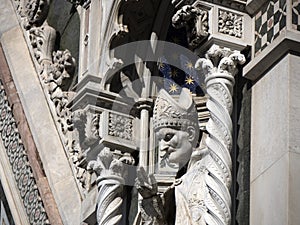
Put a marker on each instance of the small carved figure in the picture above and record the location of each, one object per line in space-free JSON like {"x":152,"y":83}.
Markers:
{"x":177,"y":130}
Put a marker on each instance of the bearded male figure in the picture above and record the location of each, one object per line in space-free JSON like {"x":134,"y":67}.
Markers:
{"x":177,"y":130}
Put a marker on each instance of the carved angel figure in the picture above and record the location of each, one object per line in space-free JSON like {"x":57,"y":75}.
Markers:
{"x":177,"y":130}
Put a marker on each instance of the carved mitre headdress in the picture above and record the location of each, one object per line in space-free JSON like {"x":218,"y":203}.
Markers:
{"x":169,"y":112}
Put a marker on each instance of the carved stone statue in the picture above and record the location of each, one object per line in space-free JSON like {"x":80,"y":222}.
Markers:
{"x":177,"y":130}
{"x":201,"y":193}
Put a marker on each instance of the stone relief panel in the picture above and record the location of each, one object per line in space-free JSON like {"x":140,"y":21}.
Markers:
{"x":296,"y":15}
{"x":269,"y":22}
{"x":120,"y":126}
{"x":19,"y":162}
{"x":230,"y":23}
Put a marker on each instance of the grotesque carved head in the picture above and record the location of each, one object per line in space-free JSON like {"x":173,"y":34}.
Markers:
{"x":176,"y":125}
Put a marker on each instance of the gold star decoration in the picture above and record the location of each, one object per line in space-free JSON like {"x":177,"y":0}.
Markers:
{"x":173,"y":88}
{"x":173,"y":73}
{"x":189,"y":80}
{"x":189,"y":65}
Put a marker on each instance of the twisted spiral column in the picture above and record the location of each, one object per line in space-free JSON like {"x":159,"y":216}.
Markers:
{"x":111,"y":172}
{"x":109,"y":210}
{"x":220,"y":68}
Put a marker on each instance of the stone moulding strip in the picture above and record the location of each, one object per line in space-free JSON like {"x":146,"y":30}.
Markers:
{"x":22,"y":153}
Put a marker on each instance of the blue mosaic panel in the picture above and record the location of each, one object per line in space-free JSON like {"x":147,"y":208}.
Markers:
{"x":295,"y":15}
{"x":269,"y":22}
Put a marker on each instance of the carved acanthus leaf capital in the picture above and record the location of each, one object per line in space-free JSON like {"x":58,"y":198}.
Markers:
{"x":110,"y":168}
{"x":110,"y":165}
{"x":220,"y":60}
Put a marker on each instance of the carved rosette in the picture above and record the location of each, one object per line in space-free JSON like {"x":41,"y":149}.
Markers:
{"x":230,"y":23}
{"x":220,"y":67}
{"x":111,"y":171}
{"x":19,"y":163}
{"x":120,"y":126}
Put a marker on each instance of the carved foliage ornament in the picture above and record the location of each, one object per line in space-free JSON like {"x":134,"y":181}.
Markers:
{"x":120,"y":126}
{"x":19,"y":162}
{"x":230,"y":23}
{"x":54,"y":67}
{"x":233,"y":4}
{"x":34,"y":12}
{"x":195,"y":20}
{"x":42,"y":40}
{"x":62,"y":67}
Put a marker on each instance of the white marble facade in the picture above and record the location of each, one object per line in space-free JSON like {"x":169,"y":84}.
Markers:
{"x":92,"y":120}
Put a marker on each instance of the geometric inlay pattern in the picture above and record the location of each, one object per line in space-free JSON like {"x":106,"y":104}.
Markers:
{"x":296,"y":15}
{"x":19,"y":162}
{"x":269,"y":22}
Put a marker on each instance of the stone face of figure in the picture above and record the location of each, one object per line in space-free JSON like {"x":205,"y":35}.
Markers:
{"x":176,"y":144}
